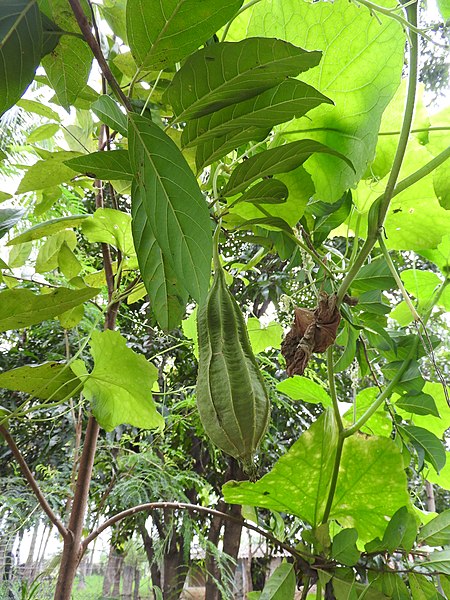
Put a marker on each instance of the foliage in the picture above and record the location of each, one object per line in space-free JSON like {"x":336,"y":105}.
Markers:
{"x":285,"y":127}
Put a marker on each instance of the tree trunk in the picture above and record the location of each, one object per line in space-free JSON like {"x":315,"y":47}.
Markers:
{"x":117,"y":576}
{"x":108,"y":579}
{"x":212,"y":571}
{"x":148,"y":547}
{"x":28,"y":569}
{"x":137,"y":584}
{"x":127,"y":582}
{"x":431,"y":504}
{"x":175,"y":569}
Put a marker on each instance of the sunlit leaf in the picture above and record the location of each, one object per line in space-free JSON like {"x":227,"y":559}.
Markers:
{"x":50,"y":380}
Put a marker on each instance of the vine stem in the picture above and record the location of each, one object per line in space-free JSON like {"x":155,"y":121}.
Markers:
{"x":379,"y":208}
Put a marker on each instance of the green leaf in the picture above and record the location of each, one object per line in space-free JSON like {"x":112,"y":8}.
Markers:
{"x":215,"y":148}
{"x":371,"y":481}
{"x":113,"y":11}
{"x":269,"y":191}
{"x":301,"y":388}
{"x":50,"y":380}
{"x":392,"y":585}
{"x":263,"y":337}
{"x":110,"y":226}
{"x":175,"y":207}
{"x":19,"y":254}
{"x":425,"y":441}
{"x":431,"y":422}
{"x":43,"y":110}
{"x":43,"y":132}
{"x":71,"y":317}
{"x":444,"y":8}
{"x":270,"y":162}
{"x":329,"y":216}
{"x":47,"y":258}
{"x":360,"y":73}
{"x":8,"y":218}
{"x":418,"y":404}
{"x":422,"y":588}
{"x":4,"y":196}
{"x":347,"y":338}
{"x":226,"y":73}
{"x":21,"y":308}
{"x":443,"y":478}
{"x":114,"y":164}
{"x":51,"y":35}
{"x":68,"y":263}
{"x":281,"y":585}
{"x":161,"y":35}
{"x":47,"y":173}
{"x":438,"y":561}
{"x":110,"y":114}
{"x":401,"y":531}
{"x":68,"y":68}
{"x":411,"y":381}
{"x":437,"y":531}
{"x":120,"y":384}
{"x":289,"y":99}
{"x":344,"y":548}
{"x":167,"y":297}
{"x":20,"y":49}
{"x":374,"y":276}
{"x":48,"y":228}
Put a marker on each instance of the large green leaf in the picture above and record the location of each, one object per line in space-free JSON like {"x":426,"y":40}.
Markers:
{"x":275,"y":160}
{"x":120,"y":384}
{"x":110,"y":226}
{"x":359,"y":72}
{"x":167,"y":297}
{"x":227,"y":73}
{"x":50,"y":380}
{"x":114,"y":164}
{"x":175,"y":207}
{"x":379,"y":423}
{"x":281,"y":584}
{"x":437,"y":531}
{"x":371,"y":483}
{"x":302,"y":388}
{"x":110,"y":114}
{"x":161,"y":34}
{"x":21,"y":308}
{"x":47,"y":173}
{"x":68,"y":68}
{"x":20,"y":48}
{"x":47,"y":228}
{"x":289,"y":99}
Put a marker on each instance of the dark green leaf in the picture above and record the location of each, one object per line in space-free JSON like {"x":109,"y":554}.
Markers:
{"x":392,"y":585}
{"x":48,"y":228}
{"x":344,"y":548}
{"x":20,"y":48}
{"x":110,"y":114}
{"x":21,"y":308}
{"x":401,"y":531}
{"x":217,"y":147}
{"x":160,"y":35}
{"x":424,"y":440}
{"x":437,"y":531}
{"x":270,"y":223}
{"x":269,"y":191}
{"x":8,"y":218}
{"x":289,"y":99}
{"x":50,"y":380}
{"x":226,"y":73}
{"x":270,"y":162}
{"x":374,"y":276}
{"x":114,"y":164}
{"x":418,"y":404}
{"x":175,"y":207}
{"x":329,"y":216}
{"x":167,"y":297}
{"x":51,"y":35}
{"x":411,"y":381}
{"x":281,"y":585}
{"x":120,"y":384}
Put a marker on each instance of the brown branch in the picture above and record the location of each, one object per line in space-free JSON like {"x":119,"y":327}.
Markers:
{"x":148,"y":507}
{"x":26,"y":472}
{"x":85,"y":28}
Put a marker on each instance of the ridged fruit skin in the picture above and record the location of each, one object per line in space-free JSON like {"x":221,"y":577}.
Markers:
{"x":231,"y":396}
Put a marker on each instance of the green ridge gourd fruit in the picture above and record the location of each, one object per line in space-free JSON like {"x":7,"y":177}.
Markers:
{"x":231,"y":397}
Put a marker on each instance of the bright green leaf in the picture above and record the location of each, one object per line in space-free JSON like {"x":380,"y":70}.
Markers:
{"x":175,"y":207}
{"x":437,"y":531}
{"x":438,"y":561}
{"x":268,"y":191}
{"x":43,"y":110}
{"x":48,"y":228}
{"x":47,"y":258}
{"x":262,"y":337}
{"x":71,"y":317}
{"x":19,"y":254}
{"x":401,"y":531}
{"x":110,"y":226}
{"x":68,"y":263}
{"x":43,"y":132}
{"x":50,"y":380}
{"x":379,"y":423}
{"x":281,"y":585}
{"x":443,"y":478}
{"x":161,"y":35}
{"x":120,"y":384}
{"x":301,"y":388}
{"x":22,"y":308}
{"x":47,"y":173}
{"x":431,"y":422}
